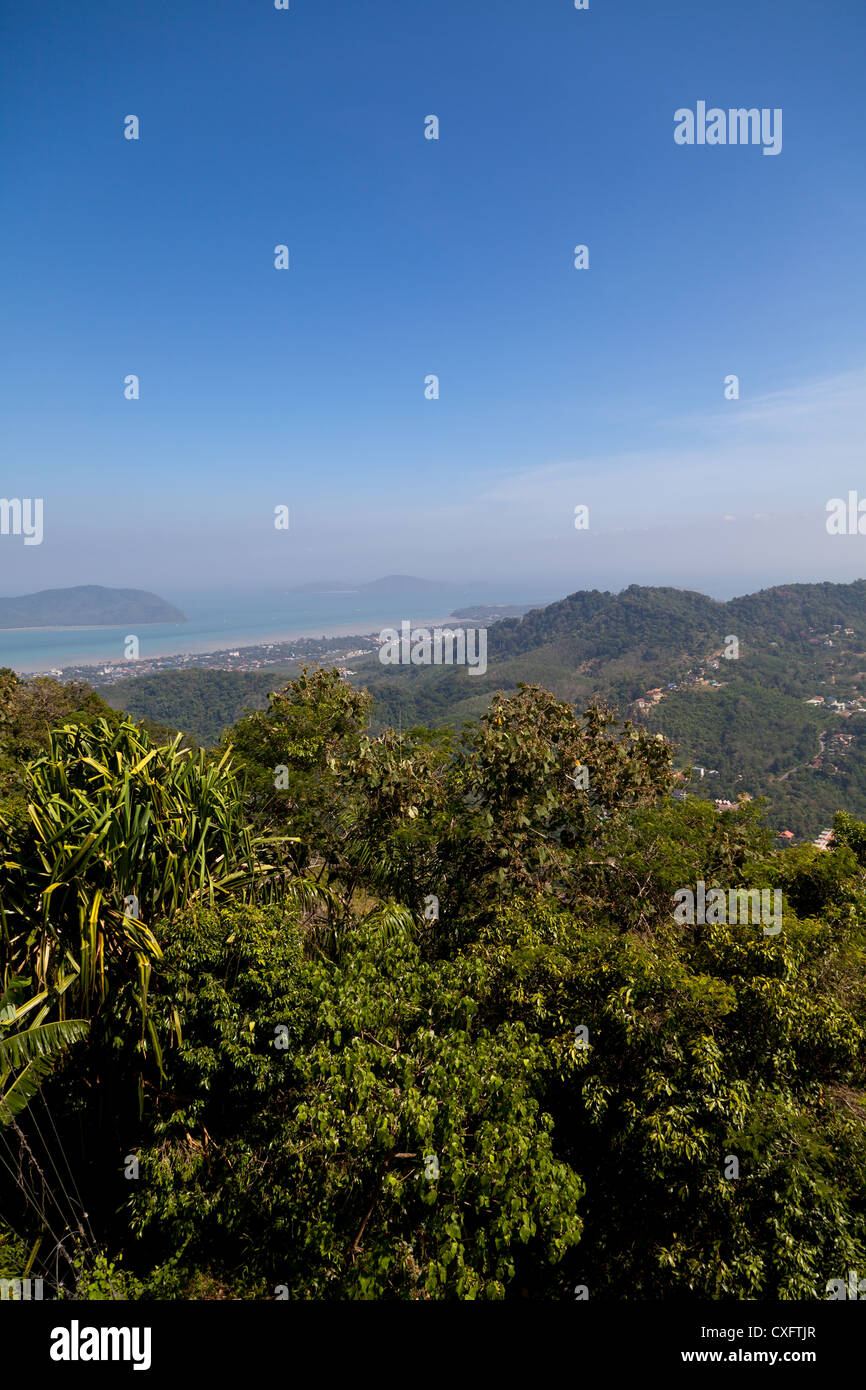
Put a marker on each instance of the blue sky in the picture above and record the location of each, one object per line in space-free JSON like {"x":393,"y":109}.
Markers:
{"x":411,"y":256}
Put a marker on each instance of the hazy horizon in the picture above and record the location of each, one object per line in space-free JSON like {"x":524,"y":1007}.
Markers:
{"x":482,"y":591}
{"x":410,"y":257}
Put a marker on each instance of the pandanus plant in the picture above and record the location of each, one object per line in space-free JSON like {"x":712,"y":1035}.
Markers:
{"x":121,"y":835}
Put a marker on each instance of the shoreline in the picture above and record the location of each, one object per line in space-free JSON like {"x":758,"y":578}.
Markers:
{"x":205,"y":647}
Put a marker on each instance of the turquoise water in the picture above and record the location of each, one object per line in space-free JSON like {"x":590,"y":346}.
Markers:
{"x":218,"y":621}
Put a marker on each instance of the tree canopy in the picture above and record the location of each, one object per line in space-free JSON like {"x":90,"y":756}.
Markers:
{"x":408,"y":1015}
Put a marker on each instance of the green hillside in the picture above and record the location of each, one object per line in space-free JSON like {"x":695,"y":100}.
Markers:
{"x":746,"y":719}
{"x":200,"y":702}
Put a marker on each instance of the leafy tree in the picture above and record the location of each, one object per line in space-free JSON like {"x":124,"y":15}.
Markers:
{"x":698,"y":1047}
{"x":309,"y":726}
{"x":392,"y":1147}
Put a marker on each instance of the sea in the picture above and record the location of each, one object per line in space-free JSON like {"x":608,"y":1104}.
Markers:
{"x":225,"y":621}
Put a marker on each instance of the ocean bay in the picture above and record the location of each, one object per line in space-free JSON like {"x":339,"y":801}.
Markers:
{"x":219,"y":621}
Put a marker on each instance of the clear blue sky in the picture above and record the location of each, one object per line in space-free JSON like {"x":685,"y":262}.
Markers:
{"x":410,"y":257}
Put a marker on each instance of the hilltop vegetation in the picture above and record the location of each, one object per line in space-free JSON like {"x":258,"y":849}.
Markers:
{"x":744,"y":718}
{"x":752,"y":726}
{"x":408,"y":1015}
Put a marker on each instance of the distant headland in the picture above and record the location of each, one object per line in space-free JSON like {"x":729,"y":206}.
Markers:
{"x":87,"y":605}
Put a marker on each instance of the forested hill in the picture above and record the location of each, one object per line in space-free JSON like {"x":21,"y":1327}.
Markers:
{"x":787,"y":610}
{"x":664,"y":657}
{"x":658,"y":655}
{"x":602,"y":624}
{"x":200,"y":702}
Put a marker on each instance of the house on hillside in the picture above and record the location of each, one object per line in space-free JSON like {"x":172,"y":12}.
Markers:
{"x":786,"y":835}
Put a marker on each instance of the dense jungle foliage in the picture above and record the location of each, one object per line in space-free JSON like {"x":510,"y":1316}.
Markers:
{"x":333,"y":1013}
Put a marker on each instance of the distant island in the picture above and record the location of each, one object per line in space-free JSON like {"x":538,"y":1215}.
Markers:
{"x":87,"y":605}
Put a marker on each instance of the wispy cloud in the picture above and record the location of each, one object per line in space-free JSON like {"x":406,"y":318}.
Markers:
{"x":767,"y":458}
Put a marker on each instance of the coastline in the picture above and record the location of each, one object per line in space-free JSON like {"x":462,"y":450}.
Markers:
{"x":248,"y":642}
